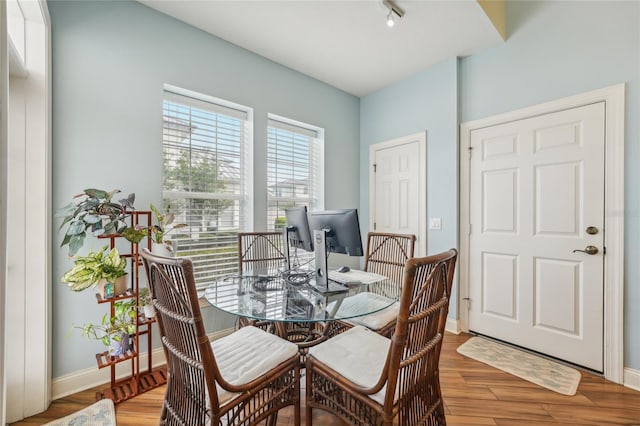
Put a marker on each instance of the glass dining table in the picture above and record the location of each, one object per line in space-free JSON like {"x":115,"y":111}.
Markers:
{"x":299,"y":309}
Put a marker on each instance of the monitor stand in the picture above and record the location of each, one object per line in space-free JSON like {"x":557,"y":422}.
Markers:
{"x":320,"y":249}
{"x":287,"y":248}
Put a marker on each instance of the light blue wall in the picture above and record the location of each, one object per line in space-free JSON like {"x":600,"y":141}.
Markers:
{"x":110,"y":61}
{"x":557,"y":49}
{"x":426,"y":101}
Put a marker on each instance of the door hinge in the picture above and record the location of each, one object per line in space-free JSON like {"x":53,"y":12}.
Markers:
{"x":469,"y":150}
{"x":374,"y":226}
{"x":469,"y":229}
{"x":604,"y":250}
{"x":468,"y":300}
{"x":374,"y":168}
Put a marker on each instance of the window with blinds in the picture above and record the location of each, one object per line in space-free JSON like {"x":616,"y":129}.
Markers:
{"x":295,"y":157}
{"x":206,"y":149}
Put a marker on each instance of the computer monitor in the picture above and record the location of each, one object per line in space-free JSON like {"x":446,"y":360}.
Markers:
{"x":342,"y":230}
{"x":298,"y":232}
{"x":335,"y":231}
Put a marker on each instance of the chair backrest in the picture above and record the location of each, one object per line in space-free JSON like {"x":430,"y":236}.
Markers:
{"x":417,"y":340}
{"x":260,"y":250}
{"x":387,"y":254}
{"x":191,"y":364}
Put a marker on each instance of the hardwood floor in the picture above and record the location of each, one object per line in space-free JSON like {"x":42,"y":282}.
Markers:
{"x":474,"y":394}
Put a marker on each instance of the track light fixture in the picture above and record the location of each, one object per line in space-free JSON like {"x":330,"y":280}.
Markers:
{"x":390,"y":21}
{"x":395,"y":11}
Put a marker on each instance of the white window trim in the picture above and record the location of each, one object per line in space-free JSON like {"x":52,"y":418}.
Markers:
{"x":4,"y":88}
{"x":27,"y":384}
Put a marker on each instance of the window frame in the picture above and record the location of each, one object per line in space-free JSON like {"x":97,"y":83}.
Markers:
{"x":223,"y":107}
{"x":316,"y":188}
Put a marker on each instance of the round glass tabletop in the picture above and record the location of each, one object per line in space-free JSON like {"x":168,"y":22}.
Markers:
{"x":274,"y":298}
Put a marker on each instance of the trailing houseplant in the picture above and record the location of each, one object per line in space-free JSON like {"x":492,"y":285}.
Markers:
{"x":93,"y":213}
{"x":106,"y":268}
{"x":160,"y":231}
{"x":114,"y":331}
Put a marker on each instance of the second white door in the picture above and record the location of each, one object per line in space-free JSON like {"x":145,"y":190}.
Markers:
{"x":398,"y":188}
{"x":536,"y":241}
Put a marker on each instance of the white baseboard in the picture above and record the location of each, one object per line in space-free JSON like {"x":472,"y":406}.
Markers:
{"x":92,"y":377}
{"x":452,"y":326}
{"x":632,"y":378}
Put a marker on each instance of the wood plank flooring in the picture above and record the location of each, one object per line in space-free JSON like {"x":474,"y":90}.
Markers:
{"x":474,"y":394}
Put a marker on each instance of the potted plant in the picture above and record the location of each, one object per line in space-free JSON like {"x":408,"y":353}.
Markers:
{"x":144,"y":298}
{"x":93,"y":213}
{"x":108,"y":271}
{"x":135,"y":234}
{"x":114,"y":331}
{"x":160,"y":244}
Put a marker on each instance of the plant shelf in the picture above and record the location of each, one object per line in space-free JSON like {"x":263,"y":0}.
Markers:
{"x":141,"y":379}
{"x":127,"y":295}
{"x":142,"y":320}
{"x":106,"y":360}
{"x":129,"y":388}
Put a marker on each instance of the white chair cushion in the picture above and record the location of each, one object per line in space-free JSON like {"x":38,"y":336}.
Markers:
{"x":358,"y":355}
{"x":248,"y":353}
{"x":375,"y":321}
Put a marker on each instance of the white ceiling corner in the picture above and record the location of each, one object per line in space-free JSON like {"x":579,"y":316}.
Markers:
{"x":343,"y":43}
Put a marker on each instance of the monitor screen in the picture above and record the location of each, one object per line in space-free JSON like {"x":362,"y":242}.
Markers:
{"x":343,"y":228}
{"x":298,"y":232}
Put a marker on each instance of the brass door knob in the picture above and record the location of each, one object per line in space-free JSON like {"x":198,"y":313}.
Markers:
{"x":588,"y":249}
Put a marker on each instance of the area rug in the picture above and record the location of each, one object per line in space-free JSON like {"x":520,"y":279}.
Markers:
{"x":102,"y":413}
{"x":533,"y":368}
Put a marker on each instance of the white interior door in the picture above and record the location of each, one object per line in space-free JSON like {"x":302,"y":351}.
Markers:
{"x":398,"y":188}
{"x":537,"y":196}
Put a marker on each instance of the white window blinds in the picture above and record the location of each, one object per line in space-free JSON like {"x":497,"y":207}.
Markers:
{"x":206,"y":179}
{"x":294,"y":168}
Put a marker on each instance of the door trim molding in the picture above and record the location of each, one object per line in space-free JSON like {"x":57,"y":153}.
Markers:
{"x":614,"y":98}
{"x":421,"y":138}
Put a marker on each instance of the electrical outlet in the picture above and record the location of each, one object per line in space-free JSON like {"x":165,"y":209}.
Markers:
{"x":435,"y":223}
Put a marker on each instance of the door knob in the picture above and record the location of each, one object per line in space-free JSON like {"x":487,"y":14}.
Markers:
{"x":588,"y":250}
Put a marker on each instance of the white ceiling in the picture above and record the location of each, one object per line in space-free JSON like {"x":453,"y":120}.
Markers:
{"x":343,"y":43}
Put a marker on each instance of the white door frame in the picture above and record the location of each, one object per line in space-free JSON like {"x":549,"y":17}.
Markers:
{"x":421,"y":239}
{"x":613,"y":96}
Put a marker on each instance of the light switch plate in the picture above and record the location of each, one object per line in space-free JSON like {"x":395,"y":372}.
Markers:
{"x":435,"y":223}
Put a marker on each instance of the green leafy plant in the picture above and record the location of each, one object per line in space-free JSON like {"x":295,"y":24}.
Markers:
{"x":280,"y":222}
{"x":122,"y":323}
{"x":90,"y":269}
{"x":93,"y":213}
{"x":160,"y":231}
{"x":135,"y":234}
{"x":144,"y":297}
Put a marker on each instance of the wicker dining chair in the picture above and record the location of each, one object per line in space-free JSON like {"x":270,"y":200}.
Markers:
{"x":260,"y":252}
{"x":386,"y":255}
{"x":241,"y":379}
{"x":368,"y":379}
